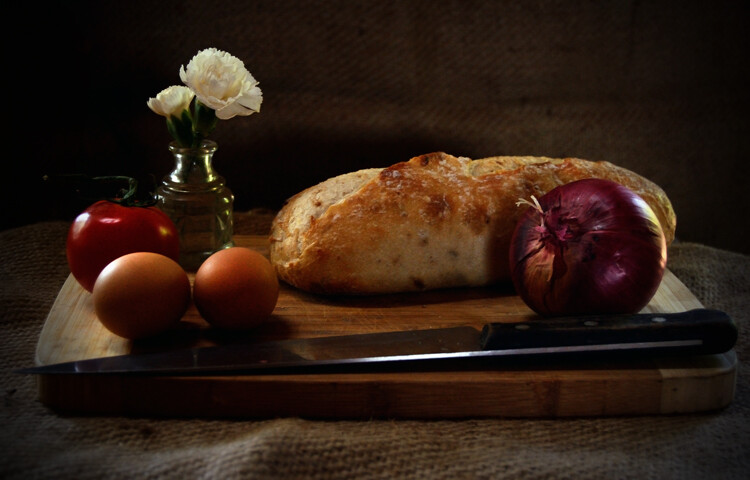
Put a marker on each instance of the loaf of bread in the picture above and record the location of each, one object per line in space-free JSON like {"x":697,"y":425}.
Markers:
{"x":435,"y":221}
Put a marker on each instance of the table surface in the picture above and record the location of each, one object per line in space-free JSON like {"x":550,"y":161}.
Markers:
{"x":38,"y":442}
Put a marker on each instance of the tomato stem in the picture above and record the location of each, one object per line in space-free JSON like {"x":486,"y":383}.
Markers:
{"x":114,"y":188}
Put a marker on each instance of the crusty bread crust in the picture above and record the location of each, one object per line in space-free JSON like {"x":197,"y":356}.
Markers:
{"x":436,"y":221}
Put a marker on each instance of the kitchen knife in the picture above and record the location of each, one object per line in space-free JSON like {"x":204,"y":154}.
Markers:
{"x":699,"y":331}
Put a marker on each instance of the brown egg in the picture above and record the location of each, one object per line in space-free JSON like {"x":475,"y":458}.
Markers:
{"x":235,"y":288}
{"x":141,"y":294}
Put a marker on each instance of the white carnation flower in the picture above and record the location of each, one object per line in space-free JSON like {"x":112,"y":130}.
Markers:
{"x":171,"y":101}
{"x":221,"y":82}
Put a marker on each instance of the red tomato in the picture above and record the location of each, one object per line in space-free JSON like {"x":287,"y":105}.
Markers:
{"x":107,"y":230}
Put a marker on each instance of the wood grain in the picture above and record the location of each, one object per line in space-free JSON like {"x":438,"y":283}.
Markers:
{"x":652,"y":386}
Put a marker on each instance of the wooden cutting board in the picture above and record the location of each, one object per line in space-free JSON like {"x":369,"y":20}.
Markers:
{"x":652,"y":386}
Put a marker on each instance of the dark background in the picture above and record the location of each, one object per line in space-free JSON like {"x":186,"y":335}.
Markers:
{"x":658,"y":87}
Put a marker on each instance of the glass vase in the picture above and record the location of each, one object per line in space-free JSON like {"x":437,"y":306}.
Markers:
{"x":199,"y":203}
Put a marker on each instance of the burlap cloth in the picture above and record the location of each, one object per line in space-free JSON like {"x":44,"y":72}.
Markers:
{"x":37,"y":443}
{"x":650,"y":86}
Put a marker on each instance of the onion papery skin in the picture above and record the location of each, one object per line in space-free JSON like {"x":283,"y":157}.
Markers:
{"x":596,"y":247}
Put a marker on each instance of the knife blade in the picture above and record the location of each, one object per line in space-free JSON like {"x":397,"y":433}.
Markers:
{"x":699,"y":331}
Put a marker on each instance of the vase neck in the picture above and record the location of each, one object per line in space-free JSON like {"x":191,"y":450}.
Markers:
{"x":194,"y":165}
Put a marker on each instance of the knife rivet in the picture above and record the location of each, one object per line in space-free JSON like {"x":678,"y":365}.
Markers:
{"x":522,"y":326}
{"x":591,"y":323}
{"x":659,"y":319}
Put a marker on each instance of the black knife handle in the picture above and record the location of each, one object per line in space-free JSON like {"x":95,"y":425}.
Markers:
{"x":714,"y":328}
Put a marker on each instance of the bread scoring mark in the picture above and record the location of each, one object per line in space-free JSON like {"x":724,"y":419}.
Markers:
{"x":426,"y":159}
{"x":390,"y":173}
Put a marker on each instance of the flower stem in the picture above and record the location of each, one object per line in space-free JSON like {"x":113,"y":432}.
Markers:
{"x":181,"y":128}
{"x":204,"y":122}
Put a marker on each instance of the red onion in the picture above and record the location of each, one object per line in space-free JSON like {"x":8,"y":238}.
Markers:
{"x":588,"y":247}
